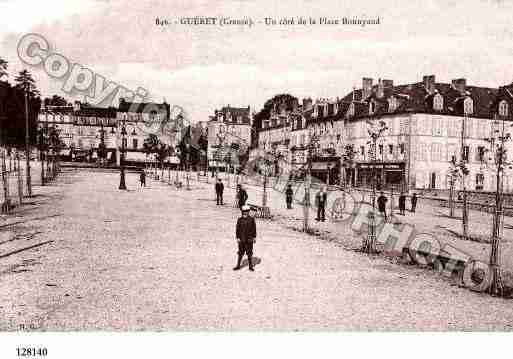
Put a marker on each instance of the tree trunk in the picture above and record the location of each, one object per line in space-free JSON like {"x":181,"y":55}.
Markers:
{"x":5,"y":185}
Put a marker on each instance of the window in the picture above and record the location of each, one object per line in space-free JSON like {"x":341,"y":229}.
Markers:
{"x":350,"y":111}
{"x":466,"y":151}
{"x":392,"y":104}
{"x":438,"y":102}
{"x":401,"y":148}
{"x":480,"y":153}
{"x":432,"y":180}
{"x":134,"y":143}
{"x":390,"y":149}
{"x":468,"y":106}
{"x":362,"y":150}
{"x":372,"y":107}
{"x":380,"y":148}
{"x":479,"y":181}
{"x":503,"y":108}
{"x":124,"y":143}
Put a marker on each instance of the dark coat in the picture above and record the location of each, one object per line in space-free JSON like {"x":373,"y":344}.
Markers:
{"x":320,"y":200}
{"x":289,"y":193}
{"x":414,"y":200}
{"x":246,"y":229}
{"x":243,"y":197}
{"x":382,"y":203}
{"x":142,"y":177}
{"x":219,"y":187}
{"x":402,"y":202}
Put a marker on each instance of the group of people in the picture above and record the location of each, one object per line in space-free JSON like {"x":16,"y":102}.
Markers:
{"x":320,"y":201}
{"x":242,"y":195}
{"x":382,"y":204}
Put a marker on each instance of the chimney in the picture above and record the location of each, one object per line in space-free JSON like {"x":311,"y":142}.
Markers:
{"x":307,"y":104}
{"x":429,"y":83}
{"x":459,"y":84}
{"x":388,"y":83}
{"x":366,"y":87}
{"x":381,"y":89}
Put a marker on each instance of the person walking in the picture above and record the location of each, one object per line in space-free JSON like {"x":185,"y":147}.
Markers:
{"x":142,"y":178}
{"x":413,"y":202}
{"x":288,"y":196}
{"x":320,"y":202}
{"x":242,"y":196}
{"x":219,"y":192}
{"x":245,"y":233}
{"x":402,"y":203}
{"x":382,"y":205}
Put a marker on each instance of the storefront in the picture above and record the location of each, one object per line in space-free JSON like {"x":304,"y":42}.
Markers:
{"x":386,"y":174}
{"x":326,"y":169}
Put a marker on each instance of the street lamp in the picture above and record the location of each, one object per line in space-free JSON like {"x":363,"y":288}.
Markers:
{"x":311,"y":147}
{"x":122,"y":184}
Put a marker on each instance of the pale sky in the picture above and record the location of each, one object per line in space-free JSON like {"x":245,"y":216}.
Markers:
{"x":202,"y":68}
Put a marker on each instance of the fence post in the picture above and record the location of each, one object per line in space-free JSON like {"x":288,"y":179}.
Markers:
{"x":20,"y":183}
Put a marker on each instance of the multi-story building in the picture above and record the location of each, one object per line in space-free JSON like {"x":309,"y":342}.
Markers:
{"x":229,"y":133}
{"x":80,"y":129}
{"x":140,"y":120}
{"x":428,"y":125}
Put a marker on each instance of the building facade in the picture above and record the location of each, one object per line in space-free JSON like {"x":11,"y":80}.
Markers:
{"x":229,"y":134}
{"x":427,"y":125}
{"x":81,"y":130}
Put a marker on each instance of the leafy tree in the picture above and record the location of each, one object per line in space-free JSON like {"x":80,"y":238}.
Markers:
{"x":3,"y":68}
{"x":25,"y":82}
{"x":153,"y":145}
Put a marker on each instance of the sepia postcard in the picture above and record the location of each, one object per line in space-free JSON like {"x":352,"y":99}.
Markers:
{"x":258,"y":175}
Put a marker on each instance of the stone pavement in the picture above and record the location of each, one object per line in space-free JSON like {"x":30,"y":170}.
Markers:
{"x":159,"y":258}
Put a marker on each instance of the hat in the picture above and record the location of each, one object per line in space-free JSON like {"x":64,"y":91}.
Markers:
{"x":245,"y":208}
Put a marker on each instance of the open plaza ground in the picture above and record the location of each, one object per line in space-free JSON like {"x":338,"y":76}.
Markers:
{"x":83,"y":255}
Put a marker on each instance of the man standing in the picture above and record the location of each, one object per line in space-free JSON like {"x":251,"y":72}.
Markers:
{"x":402,"y":203}
{"x":245,"y":232}
{"x":320,"y":201}
{"x":382,"y":205}
{"x":242,"y":196}
{"x":142,"y":178}
{"x":413,"y":202}
{"x":288,"y":196}
{"x":219,"y":192}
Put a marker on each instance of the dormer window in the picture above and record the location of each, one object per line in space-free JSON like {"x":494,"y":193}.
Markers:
{"x":503,"y":108}
{"x":438,"y":102}
{"x":468,"y":106}
{"x":239,"y":119}
{"x":392,"y":104}
{"x":350,"y":110}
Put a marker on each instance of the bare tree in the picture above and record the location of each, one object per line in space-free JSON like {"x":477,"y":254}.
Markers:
{"x":375,"y":129}
{"x":497,"y":159}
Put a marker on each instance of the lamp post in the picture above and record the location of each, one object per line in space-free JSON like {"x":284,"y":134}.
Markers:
{"x":329,"y":172}
{"x":27,"y":145}
{"x":187,"y":159}
{"x":312,"y":146}
{"x":464,"y":159}
{"x":122,"y":184}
